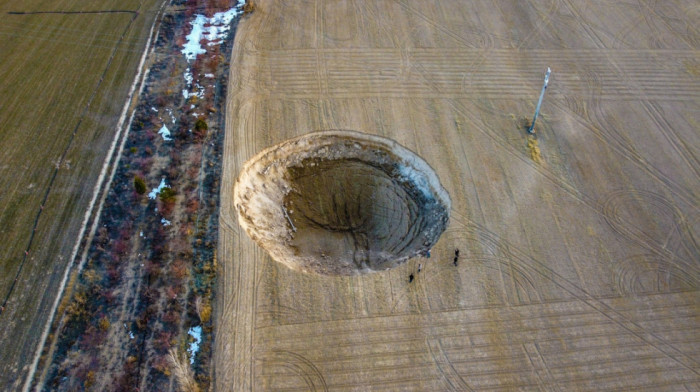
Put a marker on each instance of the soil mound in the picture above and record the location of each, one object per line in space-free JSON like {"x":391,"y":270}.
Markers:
{"x":341,"y":203}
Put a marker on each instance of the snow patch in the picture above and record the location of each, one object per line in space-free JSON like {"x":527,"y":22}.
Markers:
{"x":199,"y":93}
{"x":165,"y":132}
{"x":418,"y":179}
{"x":214,"y":29}
{"x":188,"y":76}
{"x":196,"y":333}
{"x":189,"y":79}
{"x":209,"y":75}
{"x":154,"y":193}
{"x":165,"y":222}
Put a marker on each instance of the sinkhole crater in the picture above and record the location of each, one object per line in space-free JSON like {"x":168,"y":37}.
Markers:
{"x":341,"y":202}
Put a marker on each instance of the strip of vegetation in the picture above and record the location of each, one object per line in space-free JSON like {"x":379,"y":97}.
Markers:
{"x":139,"y":314}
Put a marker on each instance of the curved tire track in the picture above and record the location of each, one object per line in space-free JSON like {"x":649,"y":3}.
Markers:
{"x":299,"y":365}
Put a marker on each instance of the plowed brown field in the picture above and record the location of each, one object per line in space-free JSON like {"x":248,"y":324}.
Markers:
{"x":579,"y":254}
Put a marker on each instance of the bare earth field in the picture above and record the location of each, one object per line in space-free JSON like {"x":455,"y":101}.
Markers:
{"x":578,"y":264}
{"x":66,"y":69}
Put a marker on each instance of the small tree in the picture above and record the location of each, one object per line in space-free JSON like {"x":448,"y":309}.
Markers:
{"x":167,"y":198}
{"x":201,"y":125}
{"x":167,"y":195}
{"x":139,"y":185}
{"x":200,"y":128}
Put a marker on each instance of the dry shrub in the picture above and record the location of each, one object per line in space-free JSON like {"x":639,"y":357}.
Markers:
{"x":205,"y":314}
{"x":104,"y":324}
{"x":203,"y":308}
{"x":179,"y":270}
{"x":180,"y":368}
{"x":77,"y":309}
{"x":67,"y":295}
{"x":89,"y":379}
{"x":248,"y":7}
{"x":534,"y":149}
{"x":90,"y":276}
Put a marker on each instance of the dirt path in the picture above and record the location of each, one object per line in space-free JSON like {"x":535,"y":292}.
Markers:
{"x":578,"y":271}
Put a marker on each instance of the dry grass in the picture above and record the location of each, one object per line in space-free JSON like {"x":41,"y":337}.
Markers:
{"x":203,"y":308}
{"x":180,"y":368}
{"x":534,"y":149}
{"x":248,"y":7}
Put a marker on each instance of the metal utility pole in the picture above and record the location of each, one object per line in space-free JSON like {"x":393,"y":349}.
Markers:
{"x":539,"y":103}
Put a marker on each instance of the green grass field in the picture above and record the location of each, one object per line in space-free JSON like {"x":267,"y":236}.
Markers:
{"x":66,"y":69}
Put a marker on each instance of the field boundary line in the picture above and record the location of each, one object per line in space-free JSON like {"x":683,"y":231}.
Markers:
{"x":72,"y":12}
{"x":101,"y":187}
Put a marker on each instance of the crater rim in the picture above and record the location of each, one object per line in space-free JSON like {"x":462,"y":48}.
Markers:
{"x":398,"y":208}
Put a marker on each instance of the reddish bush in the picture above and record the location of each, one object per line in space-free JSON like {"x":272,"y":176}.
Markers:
{"x":160,"y":363}
{"x":192,"y":206}
{"x":153,"y":270}
{"x":171,"y":317}
{"x":113,"y":274}
{"x":161,"y":100}
{"x":120,"y":247}
{"x":163,"y":341}
{"x":102,"y":235}
{"x":91,"y":339}
{"x":179,"y":270}
{"x":174,"y":173}
{"x":172,"y":292}
{"x":108,"y":296}
{"x":129,"y":376}
{"x":126,"y":230}
{"x":144,"y":163}
{"x":166,"y":208}
{"x":181,"y":39}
